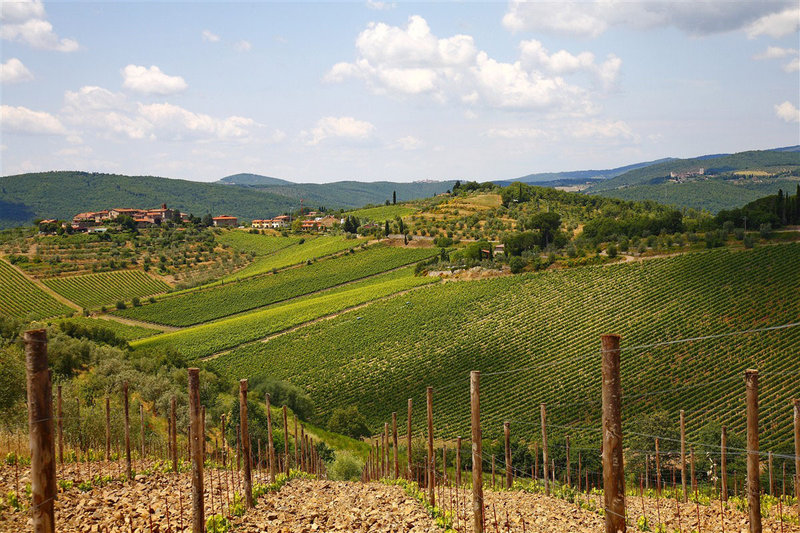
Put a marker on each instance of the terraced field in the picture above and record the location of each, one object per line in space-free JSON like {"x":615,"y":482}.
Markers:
{"x":384,"y":212}
{"x":196,"y":307}
{"x":536,"y":339}
{"x":21,"y":298}
{"x":106,"y":288}
{"x":123,"y":331}
{"x":256,"y":244}
{"x":294,"y":255}
{"x":207,"y":339}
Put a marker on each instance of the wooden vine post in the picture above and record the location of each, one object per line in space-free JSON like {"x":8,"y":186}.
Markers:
{"x":248,"y":462}
{"x":40,"y":431}
{"x":753,"y":482}
{"x":797,"y":451}
{"x":569,"y":478}
{"x":60,"y":421}
{"x":141,"y":427}
{"x":458,"y":461}
{"x":195,"y":441}
{"x":296,"y":439}
{"x":683,"y":455}
{"x":613,"y":471}
{"x":507,"y":435}
{"x":723,"y":463}
{"x":108,"y":429}
{"x":173,"y":442}
{"x":128,"y":467}
{"x":394,"y":442}
{"x":477,"y":451}
{"x":543,"y":413}
{"x":431,"y":456}
{"x":285,"y":442}
{"x":408,"y":439}
{"x":270,"y":444}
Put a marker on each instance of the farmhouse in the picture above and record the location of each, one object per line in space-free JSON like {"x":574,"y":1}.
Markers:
{"x":142,"y":217}
{"x":225,"y":221}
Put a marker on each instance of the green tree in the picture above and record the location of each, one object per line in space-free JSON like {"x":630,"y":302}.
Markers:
{"x":348,"y":421}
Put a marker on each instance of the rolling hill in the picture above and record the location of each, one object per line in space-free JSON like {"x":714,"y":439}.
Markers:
{"x":728,"y":181}
{"x":340,"y":194}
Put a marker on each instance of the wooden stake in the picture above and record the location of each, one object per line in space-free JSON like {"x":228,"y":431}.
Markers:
{"x":797,"y":452}
{"x":108,"y":429}
{"x":477,"y":451}
{"x":40,"y":431}
{"x":248,"y":462}
{"x":141,"y":427}
{"x":683,"y":456}
{"x":543,"y":413}
{"x":198,"y":512}
{"x":270,"y":444}
{"x":458,"y":461}
{"x":723,"y":464}
{"x":613,"y":470}
{"x":296,"y":450}
{"x":60,"y":421}
{"x":408,"y":438}
{"x":694,"y":478}
{"x":771,"y":482}
{"x":753,"y":483}
{"x":431,"y":456}
{"x":394,"y":442}
{"x":507,"y":435}
{"x":658,"y":470}
{"x":569,"y":480}
{"x":128,"y":467}
{"x":173,"y":443}
{"x":285,"y":442}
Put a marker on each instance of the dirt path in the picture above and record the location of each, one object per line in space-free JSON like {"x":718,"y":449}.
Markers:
{"x":314,"y":321}
{"x":138,"y":323}
{"x":45,"y":288}
{"x":337,"y":506}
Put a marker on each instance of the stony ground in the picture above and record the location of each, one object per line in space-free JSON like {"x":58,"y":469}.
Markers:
{"x":160,"y":502}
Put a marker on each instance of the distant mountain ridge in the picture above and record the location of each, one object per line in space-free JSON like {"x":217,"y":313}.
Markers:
{"x":575,"y":176}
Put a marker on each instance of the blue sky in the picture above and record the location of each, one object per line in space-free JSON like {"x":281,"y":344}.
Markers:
{"x":325,"y":91}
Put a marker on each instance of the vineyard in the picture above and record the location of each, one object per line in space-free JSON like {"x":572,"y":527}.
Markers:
{"x":105,"y":288}
{"x":122,"y":331}
{"x":384,"y":212}
{"x":311,"y":249}
{"x":535,"y":338}
{"x":21,"y":298}
{"x":207,"y":339}
{"x":256,"y":244}
{"x":195,"y":307}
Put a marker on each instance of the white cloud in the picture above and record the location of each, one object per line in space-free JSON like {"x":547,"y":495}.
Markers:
{"x":25,"y":22}
{"x":13,"y":71}
{"x":603,"y":129}
{"x":23,"y":120}
{"x":411,"y":60}
{"x":516,"y":133}
{"x":113,"y":114}
{"x":209,"y":37}
{"x":242,"y":46}
{"x":408,"y":142}
{"x":339,"y":127}
{"x":776,"y":24}
{"x":776,"y":52}
{"x":592,"y":18}
{"x":787,"y":112}
{"x":380,"y":6}
{"x":151,"y":80}
{"x":793,"y":65}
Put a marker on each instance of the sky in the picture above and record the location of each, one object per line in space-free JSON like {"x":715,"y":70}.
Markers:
{"x":400,"y":91}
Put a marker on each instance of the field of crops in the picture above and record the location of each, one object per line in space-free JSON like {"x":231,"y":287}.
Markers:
{"x":383,"y":213}
{"x":536,"y":339}
{"x":206,"y":339}
{"x":256,"y":244}
{"x":196,"y":307}
{"x":123,"y":331}
{"x":105,"y":288}
{"x":21,"y":298}
{"x":312,"y":248}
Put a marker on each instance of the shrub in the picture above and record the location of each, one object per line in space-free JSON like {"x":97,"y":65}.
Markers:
{"x":611,"y":250}
{"x":121,"y":305}
{"x":135,"y":301}
{"x":345,"y":467}
{"x":517,"y":264}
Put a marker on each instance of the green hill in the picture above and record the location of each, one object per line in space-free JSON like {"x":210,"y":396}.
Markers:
{"x":63,"y":194}
{"x":340,"y":194}
{"x":536,"y":339}
{"x":727,"y":181}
